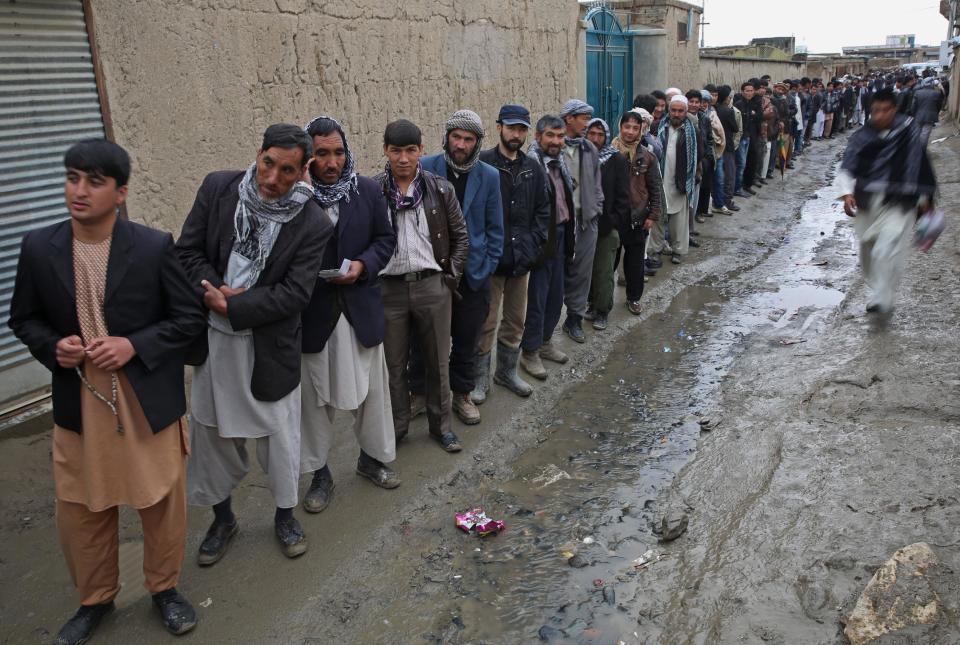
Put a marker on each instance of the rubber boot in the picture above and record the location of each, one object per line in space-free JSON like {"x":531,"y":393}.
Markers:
{"x":482,"y":387}
{"x":506,"y":374}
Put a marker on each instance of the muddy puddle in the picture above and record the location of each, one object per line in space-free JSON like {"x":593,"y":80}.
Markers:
{"x":582,"y":509}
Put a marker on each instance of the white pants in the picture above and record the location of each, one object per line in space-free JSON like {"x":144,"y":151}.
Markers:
{"x":679,"y":225}
{"x":885,"y":233}
{"x":818,"y":125}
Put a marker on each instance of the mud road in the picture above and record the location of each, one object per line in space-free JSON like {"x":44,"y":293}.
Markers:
{"x":802,"y":441}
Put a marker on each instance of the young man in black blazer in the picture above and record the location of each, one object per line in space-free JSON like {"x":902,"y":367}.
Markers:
{"x":344,"y":367}
{"x":252,"y":244}
{"x":104,"y":304}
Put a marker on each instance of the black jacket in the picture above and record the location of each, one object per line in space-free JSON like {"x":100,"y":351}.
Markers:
{"x":526,"y":211}
{"x":363,"y":232}
{"x":927,"y":102}
{"x":751,"y":113}
{"x":729,"y":122}
{"x":615,"y":181}
{"x":147,"y":299}
{"x":272,"y":307}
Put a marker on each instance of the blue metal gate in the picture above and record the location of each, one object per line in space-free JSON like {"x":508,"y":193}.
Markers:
{"x":609,"y":66}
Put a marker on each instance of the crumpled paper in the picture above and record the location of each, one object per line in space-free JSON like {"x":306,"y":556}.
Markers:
{"x":477,"y":523}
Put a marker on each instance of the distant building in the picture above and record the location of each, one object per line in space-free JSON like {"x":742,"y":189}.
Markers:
{"x":787,"y":44}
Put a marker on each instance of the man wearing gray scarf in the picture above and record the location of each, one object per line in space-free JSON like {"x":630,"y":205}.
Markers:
{"x":251,"y":245}
{"x":583,"y":161}
{"x":477,"y":185}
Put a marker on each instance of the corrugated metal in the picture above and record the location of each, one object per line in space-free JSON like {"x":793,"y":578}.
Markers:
{"x":48,"y":100}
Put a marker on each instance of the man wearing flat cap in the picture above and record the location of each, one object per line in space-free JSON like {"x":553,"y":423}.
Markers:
{"x":583,"y":162}
{"x":526,"y":222}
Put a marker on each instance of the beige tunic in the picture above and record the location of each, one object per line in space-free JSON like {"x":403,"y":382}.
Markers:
{"x":101,"y":468}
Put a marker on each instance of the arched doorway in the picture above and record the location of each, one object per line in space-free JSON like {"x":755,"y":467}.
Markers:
{"x":609,"y":66}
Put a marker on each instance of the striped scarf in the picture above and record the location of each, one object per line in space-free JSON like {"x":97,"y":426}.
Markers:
{"x":686,"y":154}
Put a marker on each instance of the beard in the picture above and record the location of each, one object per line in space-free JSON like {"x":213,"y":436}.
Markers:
{"x":511,"y":144}
{"x":552,"y":150}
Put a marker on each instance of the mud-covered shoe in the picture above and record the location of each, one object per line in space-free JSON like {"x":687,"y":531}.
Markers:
{"x":448,"y":441}
{"x":320,"y":492}
{"x":176,"y":611}
{"x":634,"y":307}
{"x":549,"y":352}
{"x":465,"y":410}
{"x":532,"y":365}
{"x":506,"y":374}
{"x":481,"y":386}
{"x":216,"y":541}
{"x":377,"y":472}
{"x":600,"y":322}
{"x":293,"y":542}
{"x":81,"y":625}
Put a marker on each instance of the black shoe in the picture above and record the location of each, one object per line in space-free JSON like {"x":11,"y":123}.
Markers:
{"x":590,"y":314}
{"x":694,"y":243}
{"x":572,"y":329}
{"x":600,"y":322}
{"x":80,"y":627}
{"x":621,"y":281}
{"x":177,"y":612}
{"x":377,"y":473}
{"x":733,"y":207}
{"x":750,"y":191}
{"x":769,"y":175}
{"x":742,"y":194}
{"x":448,"y":441}
{"x":216,"y":541}
{"x":675,"y":259}
{"x":654,"y":263}
{"x":650,"y":272}
{"x":292,"y":540}
{"x":320,"y":492}
{"x":763,"y":182}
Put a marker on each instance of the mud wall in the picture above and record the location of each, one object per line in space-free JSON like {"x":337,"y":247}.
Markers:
{"x":193,"y":83}
{"x":734,"y":71}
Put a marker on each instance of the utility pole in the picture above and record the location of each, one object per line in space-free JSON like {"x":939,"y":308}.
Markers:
{"x":703,"y":15}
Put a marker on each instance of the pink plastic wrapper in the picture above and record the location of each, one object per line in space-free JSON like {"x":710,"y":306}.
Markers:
{"x":477,"y":522}
{"x":929,"y":228}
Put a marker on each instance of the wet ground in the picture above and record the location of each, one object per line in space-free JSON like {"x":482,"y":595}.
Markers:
{"x":803,"y":442}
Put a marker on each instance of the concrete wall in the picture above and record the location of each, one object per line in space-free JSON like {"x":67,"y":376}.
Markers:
{"x":734,"y":71}
{"x":649,"y":61}
{"x":193,"y":83}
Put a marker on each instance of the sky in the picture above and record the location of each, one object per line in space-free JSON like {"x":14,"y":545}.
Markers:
{"x":824,"y":26}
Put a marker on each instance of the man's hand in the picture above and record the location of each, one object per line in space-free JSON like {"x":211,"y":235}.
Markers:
{"x":356,"y":270}
{"x":306,"y":172}
{"x":925,"y":207}
{"x":110,"y":352}
{"x":214,"y":299}
{"x":230,"y":291}
{"x":647,"y":224}
{"x":69,"y":352}
{"x":850,"y":205}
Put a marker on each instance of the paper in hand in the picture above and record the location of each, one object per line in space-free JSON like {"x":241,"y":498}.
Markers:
{"x":326,"y":274}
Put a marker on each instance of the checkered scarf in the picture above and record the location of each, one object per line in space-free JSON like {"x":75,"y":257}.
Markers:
{"x":328,"y":195}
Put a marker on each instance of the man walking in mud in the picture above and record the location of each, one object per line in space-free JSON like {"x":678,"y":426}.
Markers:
{"x":886,"y":180}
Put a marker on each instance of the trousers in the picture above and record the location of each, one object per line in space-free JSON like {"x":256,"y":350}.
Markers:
{"x":602,"y":282}
{"x":91,"y":544}
{"x":544,"y":297}
{"x":511,"y":293}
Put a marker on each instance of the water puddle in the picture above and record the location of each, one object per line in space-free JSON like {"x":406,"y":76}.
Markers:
{"x":581,"y":510}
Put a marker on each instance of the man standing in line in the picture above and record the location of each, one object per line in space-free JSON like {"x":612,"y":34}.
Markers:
{"x":615,"y":181}
{"x":885,"y":181}
{"x":750,"y":106}
{"x":344,"y":366}
{"x":581,"y":159}
{"x":679,"y":169}
{"x":646,"y":189}
{"x":253,"y":241}
{"x":104,"y":304}
{"x":727,"y":162}
{"x":477,"y":187}
{"x":927,"y":102}
{"x":420,"y":279}
{"x":526,"y":221}
{"x":545,"y":292}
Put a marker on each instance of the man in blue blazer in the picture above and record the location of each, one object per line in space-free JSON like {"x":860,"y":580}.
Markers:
{"x":344,"y":367}
{"x":477,"y":185}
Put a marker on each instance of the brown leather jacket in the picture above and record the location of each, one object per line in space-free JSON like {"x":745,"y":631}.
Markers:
{"x":448,"y":229}
{"x":646,"y":187}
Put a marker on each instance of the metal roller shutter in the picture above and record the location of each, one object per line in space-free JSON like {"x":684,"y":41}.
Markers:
{"x":48,"y":100}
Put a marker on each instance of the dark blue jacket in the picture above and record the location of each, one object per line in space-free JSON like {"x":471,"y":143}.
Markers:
{"x":364,"y":233}
{"x":483,"y":210}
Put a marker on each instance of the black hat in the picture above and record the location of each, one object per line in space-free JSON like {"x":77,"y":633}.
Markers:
{"x":514,"y":115}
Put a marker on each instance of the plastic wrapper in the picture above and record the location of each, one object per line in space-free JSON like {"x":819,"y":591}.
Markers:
{"x":929,"y":227}
{"x":477,"y":523}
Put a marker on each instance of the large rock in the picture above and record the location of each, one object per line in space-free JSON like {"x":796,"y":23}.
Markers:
{"x":899,"y":596}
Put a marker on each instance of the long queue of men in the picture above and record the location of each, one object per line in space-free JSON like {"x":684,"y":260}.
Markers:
{"x":299,"y":289}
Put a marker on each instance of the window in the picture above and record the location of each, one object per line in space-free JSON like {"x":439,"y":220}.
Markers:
{"x":682,"y":32}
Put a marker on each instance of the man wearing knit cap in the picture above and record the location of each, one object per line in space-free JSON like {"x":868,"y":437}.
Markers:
{"x":583,"y":162}
{"x":477,"y":185}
